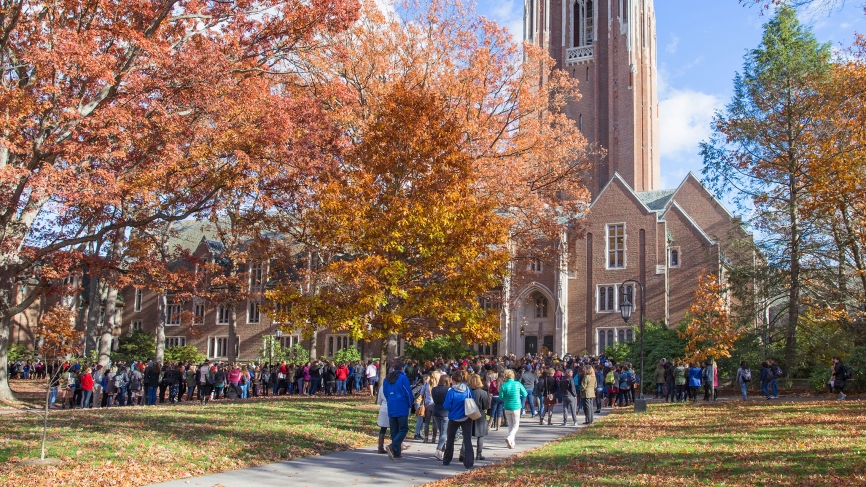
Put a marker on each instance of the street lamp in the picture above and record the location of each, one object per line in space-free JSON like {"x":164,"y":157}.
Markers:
{"x":625,"y":309}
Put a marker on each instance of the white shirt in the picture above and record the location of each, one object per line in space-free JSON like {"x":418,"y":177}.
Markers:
{"x":372,"y":371}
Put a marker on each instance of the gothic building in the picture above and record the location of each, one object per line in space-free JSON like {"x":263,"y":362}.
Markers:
{"x":634,"y":230}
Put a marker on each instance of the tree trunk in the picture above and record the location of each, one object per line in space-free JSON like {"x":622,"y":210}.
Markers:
{"x":110,"y":320}
{"x":160,"y":328}
{"x":94,"y":305}
{"x":233,"y":333}
{"x":389,"y":353}
{"x":5,"y":391}
{"x":314,"y":345}
{"x":794,"y":291}
{"x":108,"y":325}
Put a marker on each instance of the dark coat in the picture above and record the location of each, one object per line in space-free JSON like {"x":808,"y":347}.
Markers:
{"x":479,"y":426}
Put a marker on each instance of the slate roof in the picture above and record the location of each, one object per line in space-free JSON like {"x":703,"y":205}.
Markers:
{"x":656,"y":200}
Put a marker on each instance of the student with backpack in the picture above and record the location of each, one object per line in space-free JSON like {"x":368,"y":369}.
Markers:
{"x":777,"y":374}
{"x":744,"y":376}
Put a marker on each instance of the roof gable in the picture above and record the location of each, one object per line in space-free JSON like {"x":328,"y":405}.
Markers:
{"x":628,"y":190}
{"x":674,"y":206}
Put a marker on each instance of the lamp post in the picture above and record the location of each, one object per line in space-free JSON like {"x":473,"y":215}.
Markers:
{"x":625,"y":309}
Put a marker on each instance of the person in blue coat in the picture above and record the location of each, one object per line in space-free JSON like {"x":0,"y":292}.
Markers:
{"x":398,"y":395}
{"x":454,"y":403}
{"x":695,"y":375}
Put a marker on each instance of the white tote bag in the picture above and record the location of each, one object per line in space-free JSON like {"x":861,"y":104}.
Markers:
{"x":471,"y":408}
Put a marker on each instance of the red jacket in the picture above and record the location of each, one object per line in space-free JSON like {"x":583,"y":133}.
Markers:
{"x":86,"y":382}
{"x":342,"y":372}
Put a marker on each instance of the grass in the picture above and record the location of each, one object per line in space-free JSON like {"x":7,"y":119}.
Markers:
{"x":732,"y":444}
{"x":140,"y":445}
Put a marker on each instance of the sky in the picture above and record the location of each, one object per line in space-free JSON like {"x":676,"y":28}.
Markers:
{"x":701,"y":47}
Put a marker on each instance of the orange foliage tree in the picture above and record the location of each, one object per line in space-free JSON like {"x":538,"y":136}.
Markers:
{"x":57,"y":336}
{"x":120,"y":114}
{"x":710,"y":331}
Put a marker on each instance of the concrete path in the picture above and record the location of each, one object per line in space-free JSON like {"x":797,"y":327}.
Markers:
{"x":364,"y":467}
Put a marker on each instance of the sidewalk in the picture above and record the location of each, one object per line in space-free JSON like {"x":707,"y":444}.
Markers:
{"x":364,"y":467}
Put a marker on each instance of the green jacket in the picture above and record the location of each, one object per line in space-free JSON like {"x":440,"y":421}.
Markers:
{"x":511,"y":394}
{"x":680,"y":376}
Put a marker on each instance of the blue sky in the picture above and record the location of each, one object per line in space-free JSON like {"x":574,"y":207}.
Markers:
{"x":701,"y":46}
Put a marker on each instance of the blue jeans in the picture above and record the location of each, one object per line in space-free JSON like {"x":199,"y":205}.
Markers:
{"x":85,"y":398}
{"x":399,"y":429}
{"x":440,"y":424}
{"x":774,"y":386}
{"x":743,"y":386}
{"x":660,"y":389}
{"x":151,"y":396}
{"x":52,"y":396}
{"x":341,"y":387}
{"x":121,"y":395}
{"x":765,"y":388}
{"x":300,"y":386}
{"x":314,"y":386}
{"x":496,"y":407}
{"x":276,"y":386}
{"x":529,"y":396}
{"x":357,"y":383}
{"x":245,"y":391}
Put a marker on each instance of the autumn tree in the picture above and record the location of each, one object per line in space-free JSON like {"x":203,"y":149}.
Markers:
{"x":761,"y":148}
{"x":120,"y":114}
{"x":418,"y":244}
{"x":710,"y":333}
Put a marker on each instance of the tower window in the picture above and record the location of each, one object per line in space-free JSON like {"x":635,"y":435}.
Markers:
{"x":623,"y":10}
{"x":580,"y":123}
{"x":587,"y":73}
{"x":583,"y":23}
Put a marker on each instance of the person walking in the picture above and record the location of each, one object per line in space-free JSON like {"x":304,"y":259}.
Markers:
{"x":744,"y":376}
{"x":841,"y":375}
{"x":495,"y":402}
{"x":547,"y":387}
{"x":569,"y":394}
{"x":774,"y":382}
{"x":398,"y":393}
{"x":455,"y":402}
{"x":528,"y":380}
{"x":766,"y":377}
{"x":440,"y":414}
{"x":383,"y":421}
{"x":512,"y":394}
{"x":480,"y":427}
{"x":587,"y":393}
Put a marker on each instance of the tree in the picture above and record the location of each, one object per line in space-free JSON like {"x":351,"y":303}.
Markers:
{"x":349,"y":355}
{"x":120,"y":114}
{"x":761,"y":145}
{"x":709,"y":332}
{"x":521,"y":157}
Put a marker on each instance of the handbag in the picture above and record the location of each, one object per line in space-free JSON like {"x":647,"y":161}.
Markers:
{"x":471,"y":408}
{"x":420,"y":410}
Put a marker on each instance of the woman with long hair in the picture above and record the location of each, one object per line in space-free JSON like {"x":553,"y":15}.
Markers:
{"x":482,"y":400}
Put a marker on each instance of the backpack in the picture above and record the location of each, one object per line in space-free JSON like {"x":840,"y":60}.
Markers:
{"x":119,"y":380}
{"x":243,"y":381}
{"x":846,"y":373}
{"x":747,"y":375}
{"x":134,"y":383}
{"x":630,"y":379}
{"x":777,"y":371}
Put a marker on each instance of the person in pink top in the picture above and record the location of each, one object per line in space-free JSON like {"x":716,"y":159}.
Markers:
{"x":234,"y":376}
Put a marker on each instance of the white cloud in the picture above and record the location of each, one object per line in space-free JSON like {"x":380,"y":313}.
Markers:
{"x":672,"y":45}
{"x":386,"y":6}
{"x":684,"y":121}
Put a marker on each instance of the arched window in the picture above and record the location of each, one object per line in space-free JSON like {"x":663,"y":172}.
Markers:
{"x":580,"y":123}
{"x":541,"y":307}
{"x":587,"y":73}
{"x":583,"y":22}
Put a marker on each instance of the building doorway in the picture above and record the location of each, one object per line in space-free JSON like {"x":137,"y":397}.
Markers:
{"x":530,"y":345}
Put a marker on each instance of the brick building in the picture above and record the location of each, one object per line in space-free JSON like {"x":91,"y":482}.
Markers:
{"x":634,"y":229}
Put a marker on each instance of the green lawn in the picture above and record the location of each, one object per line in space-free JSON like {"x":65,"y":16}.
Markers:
{"x":139,"y":445}
{"x":731,"y":444}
